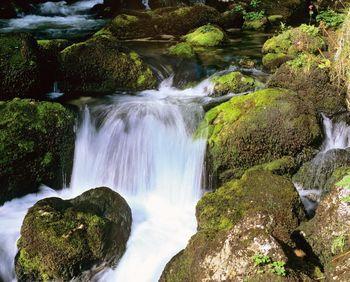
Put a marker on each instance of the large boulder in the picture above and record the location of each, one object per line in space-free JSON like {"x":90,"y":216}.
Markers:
{"x":36,"y":146}
{"x":327,"y":234}
{"x":101,"y":65}
{"x":309,"y":76}
{"x":21,"y":68}
{"x":174,"y":21}
{"x":258,"y":128}
{"x":290,"y":43}
{"x":60,"y":239}
{"x":238,"y":223}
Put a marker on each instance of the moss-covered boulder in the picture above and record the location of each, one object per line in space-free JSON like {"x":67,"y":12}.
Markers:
{"x":182,"y":50}
{"x":36,"y":146}
{"x":100,"y":65}
{"x":240,"y":221}
{"x":174,"y":21}
{"x":290,"y":43}
{"x":257,"y":24}
{"x":309,"y":76}
{"x":233,"y":82}
{"x":60,"y":239}
{"x":206,"y":36}
{"x":327,"y":234}
{"x":258,"y":128}
{"x":21,"y":68}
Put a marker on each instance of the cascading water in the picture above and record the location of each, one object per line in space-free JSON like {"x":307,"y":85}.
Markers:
{"x":142,"y":147}
{"x":56,"y":19}
{"x":337,"y":136}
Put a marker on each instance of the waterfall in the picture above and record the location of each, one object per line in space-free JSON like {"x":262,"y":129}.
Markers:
{"x":146,"y":4}
{"x":142,"y":147}
{"x":337,"y":136}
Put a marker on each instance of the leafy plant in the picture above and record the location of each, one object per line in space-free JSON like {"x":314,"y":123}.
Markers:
{"x":261,"y":259}
{"x":254,"y":16}
{"x":338,"y":244}
{"x":310,"y":29}
{"x":239,"y":9}
{"x":255,"y":3}
{"x":278,"y":268}
{"x":330,"y":18}
{"x":345,"y":183}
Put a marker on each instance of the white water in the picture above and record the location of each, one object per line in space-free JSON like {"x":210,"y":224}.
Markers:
{"x":337,"y":136}
{"x":142,"y":147}
{"x":56,"y":19}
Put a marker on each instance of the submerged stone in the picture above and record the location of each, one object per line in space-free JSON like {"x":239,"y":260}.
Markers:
{"x":60,"y":239}
{"x":36,"y":146}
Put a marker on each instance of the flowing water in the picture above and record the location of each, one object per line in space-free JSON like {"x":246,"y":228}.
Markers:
{"x":142,"y":147}
{"x":56,"y":19}
{"x":337,"y":136}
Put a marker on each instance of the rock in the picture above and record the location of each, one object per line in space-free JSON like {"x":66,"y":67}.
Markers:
{"x":318,"y":173}
{"x":259,"y":24}
{"x":206,"y":36}
{"x":182,"y":50}
{"x":239,"y":221}
{"x":292,"y":42}
{"x":101,"y":66}
{"x":309,"y":76}
{"x":231,"y":19}
{"x":327,"y":234}
{"x":233,"y":82}
{"x":10,"y":8}
{"x":61,"y":239}
{"x":21,"y":68}
{"x":50,"y":50}
{"x":36,"y":146}
{"x":272,"y":61}
{"x":258,"y":128}
{"x":174,"y":21}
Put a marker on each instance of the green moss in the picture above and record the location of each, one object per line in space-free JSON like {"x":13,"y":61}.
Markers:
{"x":258,"y":24}
{"x":123,"y":21}
{"x":32,"y":265}
{"x":208,"y":36}
{"x":21,"y":68}
{"x":36,"y":145}
{"x":256,"y":192}
{"x":272,"y":61}
{"x":234,"y":82}
{"x":183,"y":50}
{"x":275,"y":19}
{"x":291,"y":42}
{"x":61,"y":239}
{"x":257,"y":128}
{"x":106,"y":67}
